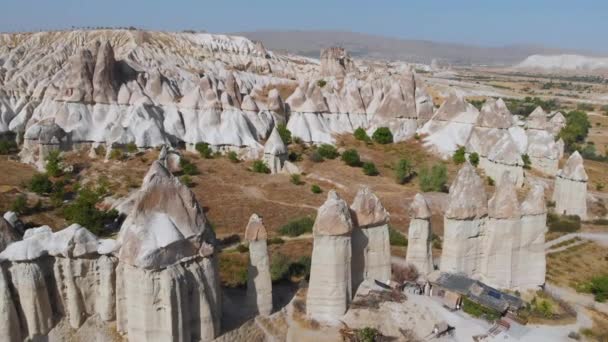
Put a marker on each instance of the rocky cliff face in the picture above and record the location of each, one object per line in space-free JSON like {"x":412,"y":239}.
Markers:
{"x":371,"y":248}
{"x":158,"y":281}
{"x":570,"y":193}
{"x":419,"y":252}
{"x":498,"y":241}
{"x":116,"y":86}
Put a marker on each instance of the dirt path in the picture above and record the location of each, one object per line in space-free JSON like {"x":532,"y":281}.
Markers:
{"x":600,"y":238}
{"x":256,"y":193}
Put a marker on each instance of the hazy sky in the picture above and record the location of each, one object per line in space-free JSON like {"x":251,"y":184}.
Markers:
{"x":581,"y":24}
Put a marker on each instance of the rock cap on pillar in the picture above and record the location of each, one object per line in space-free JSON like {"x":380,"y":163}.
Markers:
{"x":574,"y":169}
{"x":333,"y":217}
{"x":255,"y":230}
{"x":419,"y":209}
{"x":467,"y":198}
{"x":534,"y":204}
{"x":367,"y":211}
{"x":274,"y":145}
{"x":504,"y":203}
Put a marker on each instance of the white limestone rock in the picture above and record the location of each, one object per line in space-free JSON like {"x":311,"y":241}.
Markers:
{"x":531,"y":267}
{"x":371,"y":248}
{"x":259,"y":282}
{"x":419,"y":251}
{"x":275,"y":152}
{"x":335,"y":61}
{"x":570,"y":192}
{"x":330,"y":286}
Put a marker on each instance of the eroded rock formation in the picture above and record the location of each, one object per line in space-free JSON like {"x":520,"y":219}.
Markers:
{"x":259,"y":283}
{"x":419,"y":251}
{"x":330,"y":286}
{"x":371,"y":248}
{"x":570,"y":193}
{"x":158,"y":281}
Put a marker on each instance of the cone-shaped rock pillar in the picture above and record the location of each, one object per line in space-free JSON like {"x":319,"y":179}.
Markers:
{"x":259,"y":283}
{"x":419,"y":252}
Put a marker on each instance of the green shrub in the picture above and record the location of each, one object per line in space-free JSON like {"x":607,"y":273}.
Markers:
{"x":7,"y":146}
{"x":351,"y":158}
{"x":576,"y":129}
{"x":186,"y":180}
{"x":275,"y":241}
{"x":396,"y":238}
{"x":601,"y":222}
{"x":599,"y":288}
{"x":328,"y":151}
{"x":116,"y":154}
{"x":279,"y":267}
{"x":527,"y":162}
{"x":383,"y":135}
{"x":242,"y":248}
{"x":297,"y":227}
{"x":233,"y":157}
{"x":321,"y":83}
{"x":284,"y":133}
{"x":315,"y":157}
{"x":19,"y":205}
{"x":367,"y":334}
{"x":479,"y":311}
{"x":459,"y":156}
{"x":83,"y":211}
{"x":490,"y":181}
{"x":301,"y":267}
{"x":369,"y":169}
{"x":404,"y":171}
{"x":204,"y":150}
{"x":188,"y":168}
{"x":563,"y":223}
{"x":40,"y":184}
{"x":53,"y":161}
{"x":131,"y":147}
{"x":58,"y":194}
{"x":361,"y":135}
{"x":316,"y":189}
{"x":477,"y":103}
{"x":296,"y":179}
{"x":294,"y":156}
{"x":474,"y":159}
{"x":260,"y":166}
{"x":434,"y":179}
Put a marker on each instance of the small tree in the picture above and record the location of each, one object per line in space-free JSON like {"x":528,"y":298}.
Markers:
{"x":396,"y":238}
{"x":404,"y":171}
{"x":361,"y":135}
{"x":7,"y":146}
{"x":233,"y":157}
{"x":369,"y":169}
{"x":53,"y":161}
{"x":41,"y":184}
{"x":260,"y":167}
{"x":527,"y":162}
{"x":131,"y":147}
{"x":328,"y":151}
{"x":321,"y":83}
{"x":490,"y":181}
{"x":316,"y":189}
{"x":19,"y":205}
{"x":296,"y":179}
{"x":315,"y":157}
{"x":187,"y":181}
{"x":351,"y":158}
{"x":434,"y":179}
{"x":383,"y":135}
{"x":204,"y":150}
{"x":474,"y":159}
{"x":279,"y":267}
{"x":459,"y":156}
{"x":188,"y":168}
{"x":284,"y":133}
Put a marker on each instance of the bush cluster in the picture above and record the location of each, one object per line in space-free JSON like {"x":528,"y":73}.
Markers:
{"x":284,"y":133}
{"x":474,"y":159}
{"x":563,"y":223}
{"x":383,"y":135}
{"x":83,"y":211}
{"x":396,"y":238}
{"x":328,"y":151}
{"x":459,"y":156}
{"x":297,"y":227}
{"x":283,"y":268}
{"x":315,"y":189}
{"x":361,"y":135}
{"x":204,"y":150}
{"x":404,"y":171}
{"x":260,"y":166}
{"x":369,"y":169}
{"x":188,"y":168}
{"x":8,"y":147}
{"x":351,"y":158}
{"x":434,"y":179}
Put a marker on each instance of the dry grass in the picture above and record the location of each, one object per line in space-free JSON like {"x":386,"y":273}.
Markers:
{"x":577,"y":265}
{"x":599,"y":330}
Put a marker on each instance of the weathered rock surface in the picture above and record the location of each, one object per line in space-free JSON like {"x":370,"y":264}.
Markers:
{"x":163,"y":286}
{"x":419,"y":251}
{"x":275,"y":152}
{"x":336,"y":61}
{"x":570,"y":192}
{"x":330,"y":286}
{"x":531,"y":266}
{"x":259,"y":283}
{"x":371,"y":248}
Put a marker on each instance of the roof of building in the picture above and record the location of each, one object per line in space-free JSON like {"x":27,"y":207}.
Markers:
{"x":476,"y":291}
